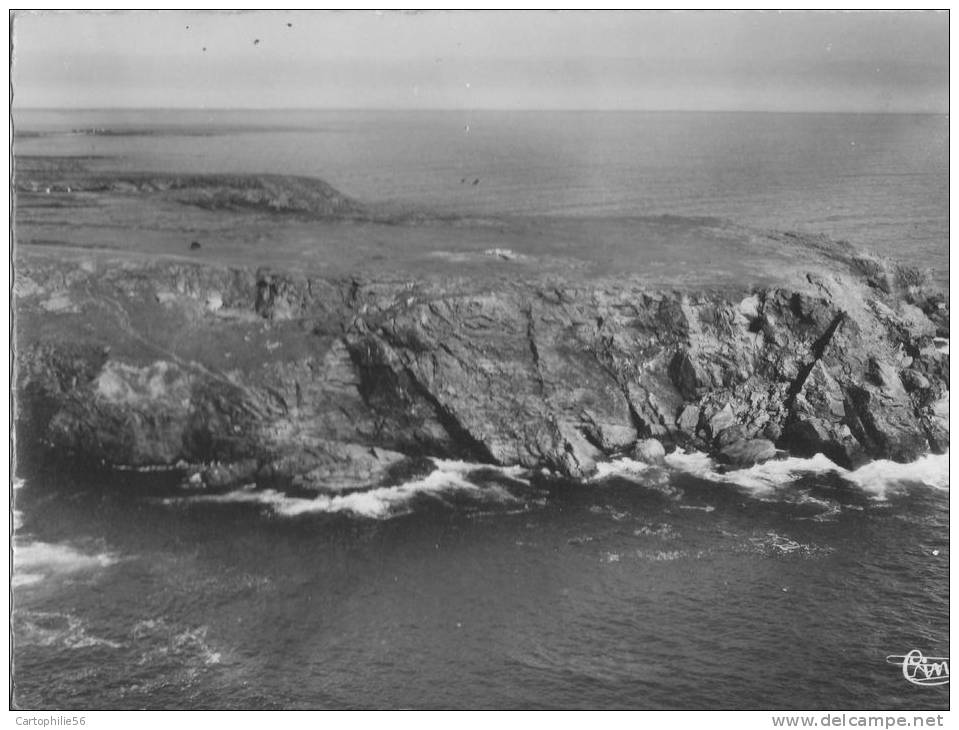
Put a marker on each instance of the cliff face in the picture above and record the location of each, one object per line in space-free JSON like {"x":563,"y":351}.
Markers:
{"x":340,"y":383}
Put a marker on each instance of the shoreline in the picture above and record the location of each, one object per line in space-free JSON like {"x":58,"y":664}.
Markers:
{"x":282,"y":378}
{"x":363,"y":347}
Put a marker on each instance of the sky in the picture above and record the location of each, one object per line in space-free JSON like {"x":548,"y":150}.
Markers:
{"x":695,"y":60}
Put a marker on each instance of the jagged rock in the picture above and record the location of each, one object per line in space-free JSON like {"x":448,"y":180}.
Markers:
{"x":771,"y":432}
{"x":913,"y":380}
{"x":885,"y":376}
{"x":687,"y":375}
{"x":937,"y":431}
{"x":816,"y":422}
{"x":736,"y":432}
{"x":887,"y":428}
{"x":331,"y":383}
{"x":750,"y":309}
{"x":225,"y":475}
{"x":649,"y":451}
{"x":720,"y":420}
{"x":746,"y":452}
{"x":688,"y":420}
{"x":820,"y":396}
{"x":876,"y":271}
{"x":808,"y":435}
{"x":611,"y":438}
{"x":578,"y":457}
{"x":935,"y":421}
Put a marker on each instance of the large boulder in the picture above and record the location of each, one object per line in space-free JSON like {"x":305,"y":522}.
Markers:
{"x":887,"y":428}
{"x":746,"y":452}
{"x":649,"y":451}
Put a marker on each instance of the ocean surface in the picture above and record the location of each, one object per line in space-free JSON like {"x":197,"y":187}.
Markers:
{"x":880,"y":181}
{"x":783,"y":586}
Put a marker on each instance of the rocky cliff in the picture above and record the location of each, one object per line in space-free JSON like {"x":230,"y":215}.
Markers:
{"x":341,"y":382}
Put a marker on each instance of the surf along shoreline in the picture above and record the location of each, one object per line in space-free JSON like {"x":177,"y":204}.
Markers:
{"x":312,"y":343}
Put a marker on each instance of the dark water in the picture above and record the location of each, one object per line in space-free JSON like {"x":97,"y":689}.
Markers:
{"x":660,"y":589}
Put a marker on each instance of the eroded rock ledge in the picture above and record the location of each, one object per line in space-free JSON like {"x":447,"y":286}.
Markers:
{"x":341,"y":383}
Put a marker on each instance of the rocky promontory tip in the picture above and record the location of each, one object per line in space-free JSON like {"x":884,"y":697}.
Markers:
{"x":334,"y":382}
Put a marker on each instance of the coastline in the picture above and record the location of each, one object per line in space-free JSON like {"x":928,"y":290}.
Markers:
{"x":338,"y":380}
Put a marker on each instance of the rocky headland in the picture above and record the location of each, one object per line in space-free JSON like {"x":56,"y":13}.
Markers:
{"x":264,"y":366}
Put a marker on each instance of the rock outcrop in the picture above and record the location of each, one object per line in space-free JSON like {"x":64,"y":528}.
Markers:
{"x":341,"y":383}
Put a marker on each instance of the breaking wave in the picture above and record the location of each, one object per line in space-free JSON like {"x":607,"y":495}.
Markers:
{"x":624,"y":467}
{"x":449,"y":477}
{"x":877,"y":478}
{"x":36,"y":561}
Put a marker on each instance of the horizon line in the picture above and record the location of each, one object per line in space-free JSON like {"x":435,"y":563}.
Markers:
{"x":475,"y":109}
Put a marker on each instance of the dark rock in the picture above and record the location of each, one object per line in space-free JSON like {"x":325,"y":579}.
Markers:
{"x":808,"y":436}
{"x":688,"y":420}
{"x":884,"y":375}
{"x":219,"y":476}
{"x":734,"y":433}
{"x":194,"y":245}
{"x":877,"y":272}
{"x":649,"y":451}
{"x":887,"y":428}
{"x":935,"y":422}
{"x":345,"y":383}
{"x":913,"y":380}
{"x":611,"y":437}
{"x":687,"y":375}
{"x":720,"y":420}
{"x":771,"y":431}
{"x":746,"y":452}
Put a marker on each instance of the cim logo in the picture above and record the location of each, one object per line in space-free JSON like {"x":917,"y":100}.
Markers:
{"x":926,"y":671}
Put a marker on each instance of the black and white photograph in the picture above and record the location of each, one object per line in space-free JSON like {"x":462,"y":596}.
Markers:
{"x":464,"y":360}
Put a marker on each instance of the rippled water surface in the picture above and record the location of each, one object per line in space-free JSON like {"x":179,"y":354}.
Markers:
{"x":880,"y":181}
{"x":784,"y":587}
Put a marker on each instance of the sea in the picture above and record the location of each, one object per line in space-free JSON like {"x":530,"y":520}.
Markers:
{"x":791,"y":585}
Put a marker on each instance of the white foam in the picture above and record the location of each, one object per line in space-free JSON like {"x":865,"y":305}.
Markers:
{"x":163,"y":640}
{"x":381,"y":502}
{"x":691,"y":462}
{"x":772,"y":543}
{"x":880,"y":477}
{"x":57,"y":629}
{"x":663,"y":556}
{"x":619,"y":467}
{"x":148,"y":469}
{"x":464,"y":468}
{"x":877,"y":477}
{"x":35,"y":561}
{"x":761,"y":478}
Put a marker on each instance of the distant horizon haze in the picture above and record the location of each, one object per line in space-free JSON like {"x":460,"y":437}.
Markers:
{"x":724,"y":61}
{"x":454,"y":110}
